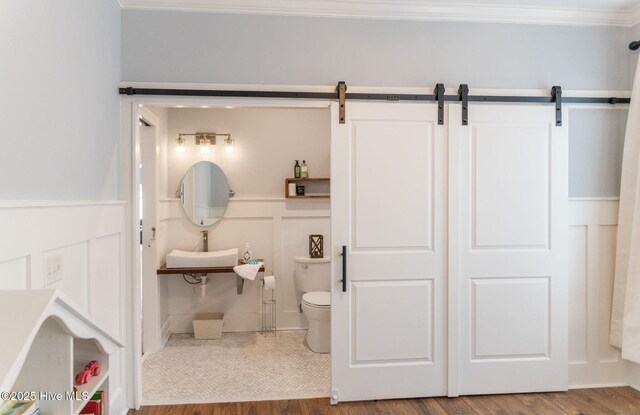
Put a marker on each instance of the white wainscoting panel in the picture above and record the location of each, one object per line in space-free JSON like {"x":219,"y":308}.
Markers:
{"x":87,"y":236}
{"x":578,"y":301}
{"x":104,"y":282}
{"x":14,"y":273}
{"x":592,"y":247}
{"x":277,"y":230}
{"x":75,"y":280}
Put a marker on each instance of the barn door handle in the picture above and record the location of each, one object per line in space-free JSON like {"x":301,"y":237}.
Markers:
{"x":344,"y":269}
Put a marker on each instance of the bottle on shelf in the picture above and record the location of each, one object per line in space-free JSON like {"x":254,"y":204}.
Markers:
{"x":304,"y":170}
{"x":247,"y":252}
{"x":296,"y":170}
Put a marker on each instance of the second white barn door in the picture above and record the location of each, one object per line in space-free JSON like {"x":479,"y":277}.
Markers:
{"x":508,"y":250}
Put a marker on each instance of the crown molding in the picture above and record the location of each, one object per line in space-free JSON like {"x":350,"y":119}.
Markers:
{"x":634,"y":16}
{"x":401,"y":10}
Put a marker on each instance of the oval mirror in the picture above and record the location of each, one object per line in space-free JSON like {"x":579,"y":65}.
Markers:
{"x":204,"y":193}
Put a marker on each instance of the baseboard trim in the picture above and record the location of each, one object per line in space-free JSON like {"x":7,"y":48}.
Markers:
{"x":599,"y":385}
{"x":632,"y":374}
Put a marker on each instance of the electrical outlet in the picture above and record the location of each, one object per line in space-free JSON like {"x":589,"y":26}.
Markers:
{"x":53,"y":269}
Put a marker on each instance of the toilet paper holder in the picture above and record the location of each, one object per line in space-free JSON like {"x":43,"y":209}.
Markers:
{"x":269,"y":324}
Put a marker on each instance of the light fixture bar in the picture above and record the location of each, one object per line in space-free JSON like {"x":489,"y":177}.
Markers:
{"x":204,"y":139}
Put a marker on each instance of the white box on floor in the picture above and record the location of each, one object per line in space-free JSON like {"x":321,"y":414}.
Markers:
{"x":207,"y":326}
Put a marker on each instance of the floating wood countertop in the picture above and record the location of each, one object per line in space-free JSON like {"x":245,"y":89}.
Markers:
{"x":201,"y":270}
{"x":163,"y":270}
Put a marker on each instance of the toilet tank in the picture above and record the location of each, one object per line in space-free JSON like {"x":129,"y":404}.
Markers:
{"x":312,"y":274}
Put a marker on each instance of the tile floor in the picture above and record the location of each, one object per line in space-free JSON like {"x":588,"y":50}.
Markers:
{"x":239,"y":367}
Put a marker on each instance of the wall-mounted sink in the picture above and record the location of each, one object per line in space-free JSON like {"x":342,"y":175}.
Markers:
{"x":187,"y":259}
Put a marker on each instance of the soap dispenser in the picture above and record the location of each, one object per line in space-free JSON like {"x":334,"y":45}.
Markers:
{"x":304,"y":170}
{"x":296,"y":170}
{"x":247,"y":252}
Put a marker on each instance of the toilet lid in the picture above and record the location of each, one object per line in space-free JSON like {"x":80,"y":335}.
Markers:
{"x":317,"y":298}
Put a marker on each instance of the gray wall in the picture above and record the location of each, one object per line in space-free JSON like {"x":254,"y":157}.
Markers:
{"x":215,"y":48}
{"x":596,"y":138}
{"x":59,"y":107}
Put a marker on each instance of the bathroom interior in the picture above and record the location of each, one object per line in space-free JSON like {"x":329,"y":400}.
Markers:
{"x":266,"y":351}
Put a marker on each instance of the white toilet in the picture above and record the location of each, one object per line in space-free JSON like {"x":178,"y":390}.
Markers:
{"x":313,"y":278}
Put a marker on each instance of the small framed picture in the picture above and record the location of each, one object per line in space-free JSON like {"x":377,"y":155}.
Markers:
{"x":316,"y":246}
{"x":299,"y":190}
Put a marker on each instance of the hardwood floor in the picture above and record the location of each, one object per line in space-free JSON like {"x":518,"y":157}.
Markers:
{"x":624,"y":400}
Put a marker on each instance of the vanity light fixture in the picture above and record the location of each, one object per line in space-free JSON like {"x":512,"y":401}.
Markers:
{"x":204,"y":140}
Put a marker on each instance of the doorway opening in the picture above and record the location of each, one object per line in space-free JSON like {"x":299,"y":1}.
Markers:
{"x":225,"y":355}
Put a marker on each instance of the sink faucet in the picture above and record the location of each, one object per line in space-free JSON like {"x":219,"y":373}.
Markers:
{"x":205,"y":241}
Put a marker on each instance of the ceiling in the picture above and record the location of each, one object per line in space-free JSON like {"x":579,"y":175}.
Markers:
{"x":562,"y":12}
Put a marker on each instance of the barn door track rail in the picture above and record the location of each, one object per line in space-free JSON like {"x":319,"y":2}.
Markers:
{"x":342,"y":96}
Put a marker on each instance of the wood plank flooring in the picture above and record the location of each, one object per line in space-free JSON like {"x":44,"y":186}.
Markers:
{"x":623,"y":400}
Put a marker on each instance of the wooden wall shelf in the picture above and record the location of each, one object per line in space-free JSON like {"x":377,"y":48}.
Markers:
{"x":310,"y":195}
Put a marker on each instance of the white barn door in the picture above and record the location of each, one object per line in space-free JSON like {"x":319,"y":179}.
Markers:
{"x":508,"y":250}
{"x":388,"y":208}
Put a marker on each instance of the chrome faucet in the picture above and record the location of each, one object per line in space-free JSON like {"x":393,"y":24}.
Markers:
{"x":205,"y":241}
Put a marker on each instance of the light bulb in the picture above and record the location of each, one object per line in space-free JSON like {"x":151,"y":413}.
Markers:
{"x":229,"y":147}
{"x":204,"y":149}
{"x":180,"y":147}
